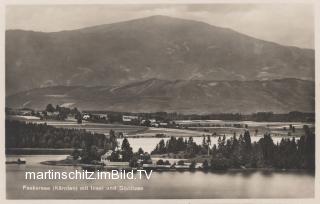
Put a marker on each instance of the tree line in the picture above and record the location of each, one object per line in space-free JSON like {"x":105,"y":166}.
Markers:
{"x":20,"y":134}
{"x":89,"y":146}
{"x":187,"y":146}
{"x":241,"y":152}
{"x":294,"y":116}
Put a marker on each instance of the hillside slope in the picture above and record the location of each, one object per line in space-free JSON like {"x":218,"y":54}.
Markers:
{"x":154,"y":47}
{"x":193,"y":96}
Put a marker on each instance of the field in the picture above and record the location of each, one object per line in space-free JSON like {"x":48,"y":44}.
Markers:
{"x":146,"y":137}
{"x":195,"y":128}
{"x":220,"y":127}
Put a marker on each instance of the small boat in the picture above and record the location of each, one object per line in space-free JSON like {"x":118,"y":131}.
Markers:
{"x":18,"y":161}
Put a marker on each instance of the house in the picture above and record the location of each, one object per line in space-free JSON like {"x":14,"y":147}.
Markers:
{"x":41,"y":113}
{"x":142,"y":122}
{"x":182,"y":167}
{"x":129,"y":118}
{"x":100,"y":116}
{"x":163,"y":124}
{"x":71,"y":117}
{"x":25,"y":112}
{"x":106,"y":156}
{"x":85,"y":116}
{"x":69,"y":157}
{"x":55,"y":113}
{"x":116,"y":164}
{"x":105,"y":159}
{"x":154,"y":124}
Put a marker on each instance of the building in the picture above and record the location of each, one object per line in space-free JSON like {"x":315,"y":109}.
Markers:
{"x":116,"y":164}
{"x":182,"y":167}
{"x":25,"y":112}
{"x":71,"y":118}
{"x":129,"y":118}
{"x":101,"y":116}
{"x":163,"y":124}
{"x":55,"y":113}
{"x":106,"y":156}
{"x":105,"y":159}
{"x":154,"y":124}
{"x":85,"y":116}
{"x":69,"y":157}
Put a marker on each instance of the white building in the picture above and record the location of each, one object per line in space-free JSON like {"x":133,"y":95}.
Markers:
{"x":86,"y":116}
{"x":163,"y":124}
{"x":106,"y":160}
{"x":129,"y":118}
{"x":105,"y":157}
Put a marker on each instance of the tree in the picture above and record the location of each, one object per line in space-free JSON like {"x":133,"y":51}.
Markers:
{"x":140,"y":151}
{"x":220,"y":162}
{"x":192,"y":165}
{"x":146,"y":123}
{"x":50,"y":108}
{"x":180,"y":162}
{"x":90,"y":154}
{"x":126,"y":150}
{"x":133,"y":162}
{"x":208,"y":140}
{"x":161,"y":149}
{"x":205,"y":165}
{"x":309,"y":148}
{"x":167,"y":162}
{"x":247,"y":140}
{"x":267,"y":147}
{"x":160,"y":162}
{"x":113,"y":139}
{"x":247,"y":148}
{"x":204,"y":141}
{"x":115,"y":156}
{"x":79,"y":121}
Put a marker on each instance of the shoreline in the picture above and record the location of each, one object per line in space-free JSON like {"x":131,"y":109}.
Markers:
{"x":231,"y":170}
{"x":40,"y":151}
{"x":65,"y":162}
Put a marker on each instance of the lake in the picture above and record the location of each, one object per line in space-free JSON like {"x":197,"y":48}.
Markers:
{"x":230,"y":184}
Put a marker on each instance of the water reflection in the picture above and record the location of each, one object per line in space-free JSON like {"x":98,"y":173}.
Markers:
{"x":197,"y":184}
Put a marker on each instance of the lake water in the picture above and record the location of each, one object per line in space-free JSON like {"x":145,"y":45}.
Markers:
{"x":237,"y":184}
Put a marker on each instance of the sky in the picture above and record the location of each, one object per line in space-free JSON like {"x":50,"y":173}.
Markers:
{"x":287,"y":24}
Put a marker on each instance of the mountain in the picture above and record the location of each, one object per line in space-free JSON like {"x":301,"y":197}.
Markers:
{"x":192,"y":96}
{"x":154,"y":47}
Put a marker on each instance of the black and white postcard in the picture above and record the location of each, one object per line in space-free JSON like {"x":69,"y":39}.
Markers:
{"x":167,"y":100}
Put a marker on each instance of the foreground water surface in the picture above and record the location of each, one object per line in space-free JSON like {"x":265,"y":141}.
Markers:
{"x":231,"y":184}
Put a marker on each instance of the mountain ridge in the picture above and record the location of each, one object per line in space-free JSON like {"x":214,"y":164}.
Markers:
{"x":163,"y":47}
{"x":150,"y":17}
